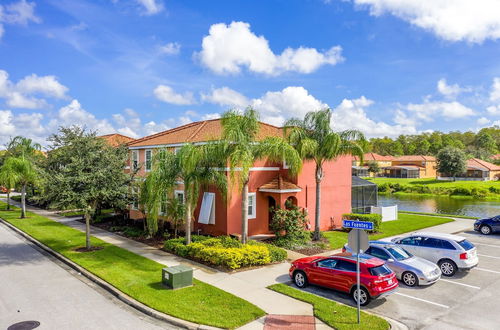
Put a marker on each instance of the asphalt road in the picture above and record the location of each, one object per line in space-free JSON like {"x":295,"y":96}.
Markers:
{"x":35,"y":286}
{"x":468,"y":300}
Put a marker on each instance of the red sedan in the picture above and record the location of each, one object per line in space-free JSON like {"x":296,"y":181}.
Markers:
{"x":339,"y":272}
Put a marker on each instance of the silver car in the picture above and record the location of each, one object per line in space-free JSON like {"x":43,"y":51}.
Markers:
{"x":409,"y":269}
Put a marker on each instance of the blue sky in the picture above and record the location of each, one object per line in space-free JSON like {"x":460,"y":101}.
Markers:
{"x":140,"y":66}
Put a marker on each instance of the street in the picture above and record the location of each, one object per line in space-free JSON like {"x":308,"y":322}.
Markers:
{"x":467,"y":300}
{"x":37,"y":287}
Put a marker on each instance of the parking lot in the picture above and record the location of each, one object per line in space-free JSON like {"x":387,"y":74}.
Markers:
{"x":468,"y":300}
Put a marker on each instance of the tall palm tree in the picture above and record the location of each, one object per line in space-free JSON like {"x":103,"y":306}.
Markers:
{"x":315,"y":140}
{"x":242,"y":147}
{"x":8,"y":179}
{"x":24,"y":173}
{"x":195,"y":167}
{"x":23,"y":147}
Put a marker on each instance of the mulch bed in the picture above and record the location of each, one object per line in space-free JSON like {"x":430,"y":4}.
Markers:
{"x":92,"y":249}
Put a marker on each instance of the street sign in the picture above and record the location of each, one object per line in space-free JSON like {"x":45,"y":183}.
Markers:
{"x":357,"y":240}
{"x":365,"y":225}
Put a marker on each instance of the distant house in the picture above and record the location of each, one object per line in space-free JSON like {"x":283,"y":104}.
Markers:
{"x":412,"y":166}
{"x":361,"y":170}
{"x":116,"y":139}
{"x":477,"y":170}
{"x":270,"y":184}
{"x":496,"y":157}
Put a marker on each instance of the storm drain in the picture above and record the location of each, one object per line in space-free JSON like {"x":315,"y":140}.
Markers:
{"x":25,"y":325}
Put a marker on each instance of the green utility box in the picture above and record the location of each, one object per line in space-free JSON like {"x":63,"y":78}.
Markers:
{"x":177,"y":277}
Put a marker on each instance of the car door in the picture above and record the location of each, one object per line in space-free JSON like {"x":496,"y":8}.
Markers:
{"x":322,"y":272}
{"x":431,"y":249}
{"x":495,"y":224}
{"x":345,"y":275}
{"x":381,"y":253}
{"x":410,"y":244}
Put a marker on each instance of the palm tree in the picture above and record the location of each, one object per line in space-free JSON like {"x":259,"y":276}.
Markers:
{"x":24,"y":173}
{"x":240,"y":137}
{"x":175,"y":212}
{"x":23,"y":147}
{"x":195,"y":167}
{"x":315,"y":140}
{"x":8,"y":179}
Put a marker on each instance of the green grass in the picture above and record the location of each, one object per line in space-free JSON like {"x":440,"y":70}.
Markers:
{"x":138,"y":276}
{"x":337,"y":316}
{"x":441,"y":215}
{"x":405,"y":223}
{"x":437,"y":183}
{"x":80,"y":213}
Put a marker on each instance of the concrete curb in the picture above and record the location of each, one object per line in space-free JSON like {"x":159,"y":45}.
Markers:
{"x":108,"y":287}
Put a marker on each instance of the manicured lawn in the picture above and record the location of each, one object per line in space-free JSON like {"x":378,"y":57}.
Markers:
{"x":441,"y":215}
{"x":337,"y":316}
{"x":80,"y":213}
{"x":405,"y":223}
{"x":137,"y":276}
{"x":437,"y":183}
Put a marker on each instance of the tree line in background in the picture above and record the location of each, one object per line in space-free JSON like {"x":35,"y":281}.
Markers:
{"x":483,"y":144}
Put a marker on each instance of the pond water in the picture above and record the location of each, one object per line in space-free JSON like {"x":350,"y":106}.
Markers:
{"x":442,"y":204}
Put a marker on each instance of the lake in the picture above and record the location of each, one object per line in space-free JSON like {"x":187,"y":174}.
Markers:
{"x":442,"y":204}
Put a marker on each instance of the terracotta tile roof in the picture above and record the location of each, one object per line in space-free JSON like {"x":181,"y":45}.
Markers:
{"x":115,"y":140}
{"x":415,"y":158}
{"x":278,"y":183}
{"x":478,"y":163}
{"x":371,"y":156}
{"x":201,"y":131}
{"x":497,"y":156}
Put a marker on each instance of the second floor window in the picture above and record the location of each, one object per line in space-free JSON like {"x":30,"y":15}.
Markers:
{"x":148,"y":160}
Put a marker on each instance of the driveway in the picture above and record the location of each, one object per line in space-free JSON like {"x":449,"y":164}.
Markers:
{"x":468,"y":300}
{"x":34,"y":286}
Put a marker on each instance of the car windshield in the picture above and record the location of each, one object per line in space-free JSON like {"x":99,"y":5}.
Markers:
{"x":399,"y":254}
{"x":466,"y":245}
{"x":380,"y":270}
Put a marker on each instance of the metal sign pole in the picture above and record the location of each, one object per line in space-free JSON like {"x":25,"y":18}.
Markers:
{"x":357,"y":274}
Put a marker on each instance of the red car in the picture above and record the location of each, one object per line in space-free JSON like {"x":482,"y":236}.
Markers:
{"x":339,"y":272}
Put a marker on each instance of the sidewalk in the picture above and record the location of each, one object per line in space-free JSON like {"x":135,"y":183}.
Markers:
{"x":249,"y":285}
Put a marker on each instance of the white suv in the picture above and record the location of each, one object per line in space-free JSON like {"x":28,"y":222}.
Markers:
{"x":450,"y":252}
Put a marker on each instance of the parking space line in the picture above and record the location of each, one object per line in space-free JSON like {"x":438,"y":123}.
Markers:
{"x":463,"y":284}
{"x":484,"y":255}
{"x":423,"y":300}
{"x":487,"y":270}
{"x":497,"y":246}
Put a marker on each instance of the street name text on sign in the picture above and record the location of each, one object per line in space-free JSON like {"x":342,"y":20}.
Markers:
{"x":357,"y":224}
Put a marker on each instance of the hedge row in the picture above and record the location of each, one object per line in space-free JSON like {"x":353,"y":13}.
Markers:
{"x":375,"y":218}
{"x":423,"y":189}
{"x":226,"y":252}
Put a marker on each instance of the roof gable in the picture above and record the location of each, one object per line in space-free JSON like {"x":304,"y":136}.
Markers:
{"x":116,"y":139}
{"x":476,"y":162}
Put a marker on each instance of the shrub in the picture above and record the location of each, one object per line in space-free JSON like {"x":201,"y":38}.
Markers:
{"x":375,"y":218}
{"x":461,"y":191}
{"x":479,"y":192}
{"x":494,"y":190}
{"x":384,"y":187}
{"x":226,"y":252}
{"x":289,"y":227}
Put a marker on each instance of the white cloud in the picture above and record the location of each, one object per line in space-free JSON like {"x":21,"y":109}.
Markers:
{"x":483,"y":121}
{"x":494,"y":110}
{"x":227,"y":48}
{"x":351,"y":114}
{"x":450,"y":91}
{"x":495,"y":90}
{"x":25,"y":124}
{"x":22,"y":94}
{"x":172,"y":48}
{"x":167,"y":94}
{"x":151,"y":6}
{"x":431,"y":110}
{"x":19,"y":13}
{"x":74,"y":114}
{"x":453,"y":20}
{"x":226,"y":96}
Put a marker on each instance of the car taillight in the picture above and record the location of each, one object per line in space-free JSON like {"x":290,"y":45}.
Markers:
{"x":464,"y":255}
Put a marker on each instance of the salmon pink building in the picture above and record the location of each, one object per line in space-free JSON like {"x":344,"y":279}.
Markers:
{"x":270,"y":185}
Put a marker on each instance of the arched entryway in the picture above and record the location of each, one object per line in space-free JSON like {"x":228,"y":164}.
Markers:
{"x":290,"y":202}
{"x":271,"y":206}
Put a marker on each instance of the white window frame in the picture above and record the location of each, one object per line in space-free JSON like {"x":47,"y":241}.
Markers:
{"x":135,"y":160}
{"x":146,"y":160}
{"x":180,"y":192}
{"x":252,"y":196}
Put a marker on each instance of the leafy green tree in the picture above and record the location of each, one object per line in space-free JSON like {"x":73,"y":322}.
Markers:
{"x":484,"y":141}
{"x":373,"y":167}
{"x":83,"y":171}
{"x":422,"y":146}
{"x":23,"y":147}
{"x":242,"y":149}
{"x":8,"y":179}
{"x":25,"y":173}
{"x":315,"y":140}
{"x":451,"y":161}
{"x":195,"y":166}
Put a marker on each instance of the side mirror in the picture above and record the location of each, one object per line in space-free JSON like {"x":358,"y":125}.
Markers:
{"x":390,"y":260}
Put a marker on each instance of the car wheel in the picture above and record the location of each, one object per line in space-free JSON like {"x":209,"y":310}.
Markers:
{"x":409,"y":279}
{"x":485,"y":229}
{"x":448,"y":267}
{"x":300,"y":279}
{"x":364,"y":296}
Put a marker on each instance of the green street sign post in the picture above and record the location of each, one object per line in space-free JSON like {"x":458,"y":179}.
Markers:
{"x":357,"y":240}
